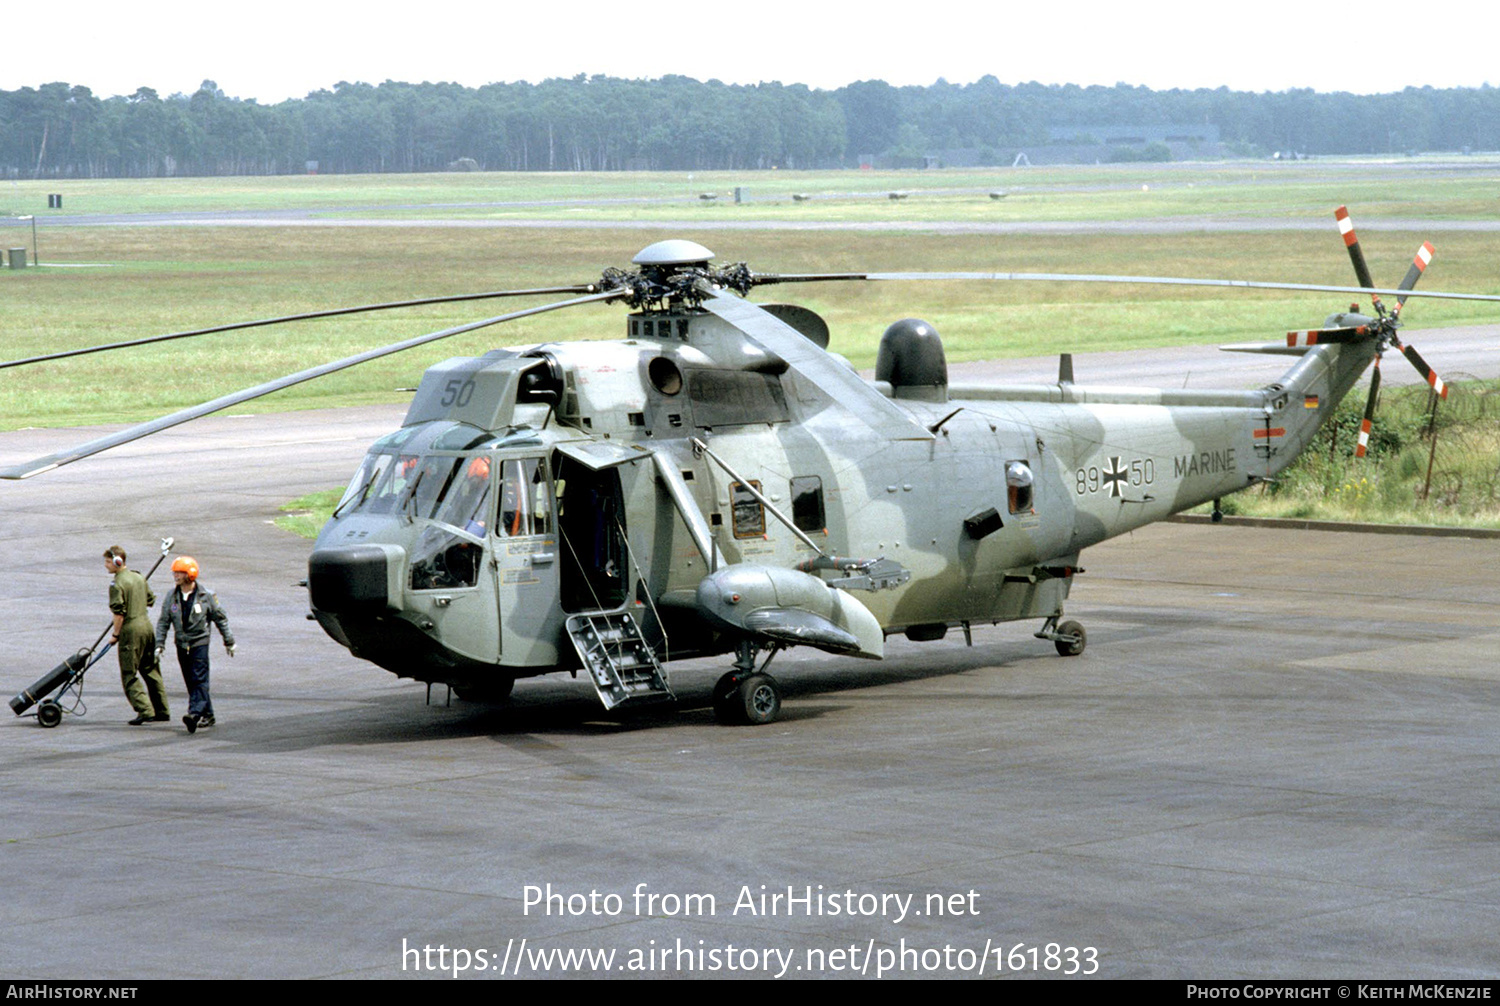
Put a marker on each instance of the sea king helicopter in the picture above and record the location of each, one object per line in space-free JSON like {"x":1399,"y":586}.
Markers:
{"x":718,"y":482}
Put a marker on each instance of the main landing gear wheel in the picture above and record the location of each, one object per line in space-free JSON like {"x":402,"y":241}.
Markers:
{"x":754,"y":700}
{"x":1074,"y":648}
{"x":761,"y":698}
{"x":49,"y":713}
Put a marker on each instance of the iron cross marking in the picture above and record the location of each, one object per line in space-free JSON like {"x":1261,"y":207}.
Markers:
{"x":1116,"y":477}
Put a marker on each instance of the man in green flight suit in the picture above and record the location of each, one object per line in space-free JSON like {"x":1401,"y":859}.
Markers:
{"x":135,"y":640}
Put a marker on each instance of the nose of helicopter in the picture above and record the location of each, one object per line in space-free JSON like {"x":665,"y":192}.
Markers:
{"x":353,"y":578}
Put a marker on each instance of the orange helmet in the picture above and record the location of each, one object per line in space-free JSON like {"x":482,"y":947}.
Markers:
{"x":479,"y":468}
{"x":186,"y":564}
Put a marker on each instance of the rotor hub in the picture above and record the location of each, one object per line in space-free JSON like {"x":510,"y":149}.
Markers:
{"x":673,"y":273}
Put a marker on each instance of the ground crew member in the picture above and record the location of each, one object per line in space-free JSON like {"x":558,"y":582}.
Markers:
{"x":129,"y":599}
{"x":188,"y":612}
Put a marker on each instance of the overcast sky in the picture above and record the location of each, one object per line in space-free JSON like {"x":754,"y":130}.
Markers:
{"x":275,"y":49}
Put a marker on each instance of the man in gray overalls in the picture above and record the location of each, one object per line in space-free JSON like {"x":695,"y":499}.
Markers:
{"x":187,"y":611}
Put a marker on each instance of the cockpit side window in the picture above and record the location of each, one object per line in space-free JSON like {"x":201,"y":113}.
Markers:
{"x":525,"y":502}
{"x":441,"y":558}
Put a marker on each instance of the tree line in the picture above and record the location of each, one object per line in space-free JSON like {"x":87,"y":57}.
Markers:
{"x":62,"y":130}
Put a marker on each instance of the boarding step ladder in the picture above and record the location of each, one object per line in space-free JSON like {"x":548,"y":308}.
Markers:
{"x":619,"y":661}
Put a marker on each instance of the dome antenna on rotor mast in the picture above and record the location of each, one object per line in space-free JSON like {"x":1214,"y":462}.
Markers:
{"x":675,"y":271}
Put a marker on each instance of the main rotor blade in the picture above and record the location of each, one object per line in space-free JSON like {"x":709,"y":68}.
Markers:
{"x":125,"y":436}
{"x":831,"y":375}
{"x":1069,"y":277}
{"x":235,"y":326}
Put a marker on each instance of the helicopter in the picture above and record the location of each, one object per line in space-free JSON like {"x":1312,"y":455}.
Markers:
{"x":718,"y":482}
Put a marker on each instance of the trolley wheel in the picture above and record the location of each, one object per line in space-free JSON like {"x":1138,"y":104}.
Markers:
{"x":49,"y":713}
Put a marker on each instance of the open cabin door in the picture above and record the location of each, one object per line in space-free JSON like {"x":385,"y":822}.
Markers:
{"x":594,"y":557}
{"x":598,"y":577}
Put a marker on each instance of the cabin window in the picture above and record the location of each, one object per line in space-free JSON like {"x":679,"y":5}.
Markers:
{"x":749,"y":515}
{"x":1018,"y":486}
{"x":807,"y":503}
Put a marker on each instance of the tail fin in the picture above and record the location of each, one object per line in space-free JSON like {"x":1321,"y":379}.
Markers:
{"x":1306,"y":396}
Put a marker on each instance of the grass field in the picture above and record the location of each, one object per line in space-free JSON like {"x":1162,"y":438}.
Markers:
{"x":1451,"y":188}
{"x":1435,"y":467}
{"x":151,"y":279}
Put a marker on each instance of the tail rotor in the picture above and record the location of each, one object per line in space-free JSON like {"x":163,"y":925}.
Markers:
{"x":1365,"y":425}
{"x":1384,"y":326}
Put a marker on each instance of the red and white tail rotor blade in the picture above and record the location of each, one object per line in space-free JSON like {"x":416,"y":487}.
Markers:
{"x":1363,"y":447}
{"x":1356,"y":254}
{"x":1428,"y":374}
{"x":1318,"y":336}
{"x":1414,"y":272}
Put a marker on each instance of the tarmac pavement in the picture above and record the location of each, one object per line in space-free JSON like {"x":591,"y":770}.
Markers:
{"x":1276,"y":759}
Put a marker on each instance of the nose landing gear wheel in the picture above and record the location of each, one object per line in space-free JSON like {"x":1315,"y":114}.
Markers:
{"x":761,"y":698}
{"x":49,"y":713}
